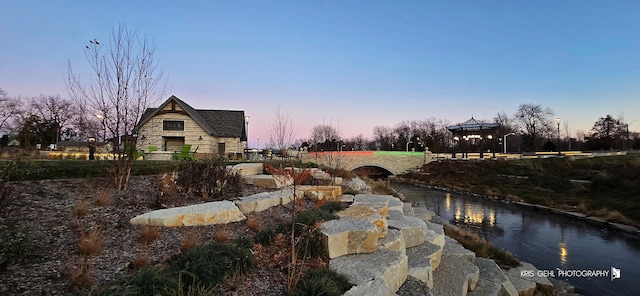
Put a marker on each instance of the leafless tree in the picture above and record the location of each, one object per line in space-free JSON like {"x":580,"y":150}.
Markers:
{"x":124,"y":82}
{"x":536,"y":123}
{"x":281,"y":132}
{"x":58,"y":111}
{"x":10,"y":108}
{"x":383,"y":137}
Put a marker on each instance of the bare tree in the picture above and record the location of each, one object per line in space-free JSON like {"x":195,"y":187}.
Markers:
{"x":125,"y":81}
{"x":281,"y":132}
{"x":383,"y":137}
{"x":59,"y":112}
{"x":10,"y":108}
{"x":536,"y":123}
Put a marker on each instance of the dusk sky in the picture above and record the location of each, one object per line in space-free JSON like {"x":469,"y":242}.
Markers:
{"x":356,"y":64}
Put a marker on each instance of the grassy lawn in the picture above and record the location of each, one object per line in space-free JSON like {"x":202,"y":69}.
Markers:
{"x":21,"y":170}
{"x":614,"y":182}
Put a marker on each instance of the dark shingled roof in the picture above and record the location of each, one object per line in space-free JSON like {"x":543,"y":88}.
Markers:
{"x":218,"y":123}
{"x":473,"y":125}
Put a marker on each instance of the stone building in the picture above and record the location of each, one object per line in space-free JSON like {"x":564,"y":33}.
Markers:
{"x":165,"y":130}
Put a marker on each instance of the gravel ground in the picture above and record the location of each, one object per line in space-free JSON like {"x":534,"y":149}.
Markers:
{"x":48,"y":210}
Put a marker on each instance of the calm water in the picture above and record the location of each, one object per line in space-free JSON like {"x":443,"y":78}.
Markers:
{"x":546,"y":240}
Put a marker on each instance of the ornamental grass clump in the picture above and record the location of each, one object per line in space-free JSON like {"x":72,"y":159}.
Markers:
{"x":322,"y":281}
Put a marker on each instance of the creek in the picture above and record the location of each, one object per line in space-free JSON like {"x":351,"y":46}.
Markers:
{"x":549,"y":241}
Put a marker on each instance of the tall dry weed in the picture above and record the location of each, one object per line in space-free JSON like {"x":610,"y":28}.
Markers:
{"x":91,"y":242}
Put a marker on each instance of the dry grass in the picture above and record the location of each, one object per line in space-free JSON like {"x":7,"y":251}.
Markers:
{"x":91,"y":242}
{"x":254,"y":224}
{"x":189,"y":241}
{"x":103,"y":197}
{"x":140,"y":261}
{"x":79,"y":274}
{"x":149,"y":234}
{"x":482,"y":248}
{"x":81,"y":208}
{"x":222,"y":235}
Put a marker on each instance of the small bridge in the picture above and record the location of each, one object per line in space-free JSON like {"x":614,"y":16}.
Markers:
{"x":394,"y":162}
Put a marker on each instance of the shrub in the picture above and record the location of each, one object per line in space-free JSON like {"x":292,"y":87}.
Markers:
{"x":103,"y":197}
{"x":149,"y":234}
{"x":141,"y":260}
{"x":91,"y":242}
{"x":189,"y":241}
{"x":152,"y":281}
{"x":209,"y":264}
{"x":323,"y":282}
{"x":81,"y":208}
{"x":209,"y":178}
{"x":332,"y":206}
{"x":79,"y":275}
{"x":266,"y":236}
{"x":254,"y":224}
{"x":482,"y":248}
{"x":16,"y":246}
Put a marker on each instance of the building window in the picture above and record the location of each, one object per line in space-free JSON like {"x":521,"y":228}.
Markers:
{"x":173,"y":125}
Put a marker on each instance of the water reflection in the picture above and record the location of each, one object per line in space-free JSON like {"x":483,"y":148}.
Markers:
{"x":546,"y":240}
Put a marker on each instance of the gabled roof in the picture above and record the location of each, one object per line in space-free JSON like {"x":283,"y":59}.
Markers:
{"x":218,"y":123}
{"x":473,"y":125}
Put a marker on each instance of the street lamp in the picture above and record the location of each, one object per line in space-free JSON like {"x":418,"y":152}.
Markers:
{"x":408,"y":145}
{"x":455,"y":142}
{"x":504,"y":141}
{"x":558,"y":119}
{"x":246,"y":122}
{"x":258,"y":144}
{"x":493,"y":146}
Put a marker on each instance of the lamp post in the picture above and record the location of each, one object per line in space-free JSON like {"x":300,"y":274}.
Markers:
{"x":558,"y":119}
{"x":408,"y":145}
{"x":455,"y":142}
{"x":246,"y":122}
{"x":493,"y":146}
{"x":504,"y":142}
{"x":629,"y":140}
{"x":258,"y":144}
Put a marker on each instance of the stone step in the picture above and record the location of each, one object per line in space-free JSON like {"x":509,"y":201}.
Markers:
{"x":393,"y":203}
{"x":526,"y":286}
{"x":368,"y":214}
{"x":423,"y":261}
{"x":218,"y":212}
{"x":492,"y":280}
{"x":455,"y":276}
{"x":393,"y":241}
{"x":268,"y":181}
{"x":434,"y":233}
{"x":349,"y":236}
{"x":412,"y":228}
{"x":423,"y":214}
{"x":407,"y":209}
{"x":454,"y":248}
{"x":414,"y":287}
{"x":361,"y":269}
{"x":320,"y":192}
{"x":264,"y":200}
{"x":247,"y":169}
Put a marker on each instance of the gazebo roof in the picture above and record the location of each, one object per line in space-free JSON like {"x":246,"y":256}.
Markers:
{"x":473,"y":125}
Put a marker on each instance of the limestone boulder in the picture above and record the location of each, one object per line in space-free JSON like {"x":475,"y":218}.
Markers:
{"x":411,"y":228}
{"x":455,"y":276}
{"x":527,"y":285}
{"x":248,"y":169}
{"x":348,"y":236}
{"x":492,"y":280}
{"x":368,"y":214}
{"x":423,"y":213}
{"x":320,"y":192}
{"x":390,"y":266}
{"x":423,"y":260}
{"x":392,"y":241}
{"x":219,"y":212}
{"x":258,"y":202}
{"x":269,"y":181}
{"x":377,"y":287}
{"x":392,"y":202}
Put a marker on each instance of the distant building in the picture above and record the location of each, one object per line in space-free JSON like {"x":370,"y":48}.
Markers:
{"x":175,"y":123}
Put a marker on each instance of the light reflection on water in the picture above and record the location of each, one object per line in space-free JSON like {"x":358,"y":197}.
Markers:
{"x":546,"y":240}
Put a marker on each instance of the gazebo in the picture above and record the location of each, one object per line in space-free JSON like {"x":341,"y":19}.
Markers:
{"x":473,"y":135}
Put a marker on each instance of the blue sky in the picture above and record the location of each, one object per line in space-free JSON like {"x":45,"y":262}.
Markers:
{"x":355,"y":64}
